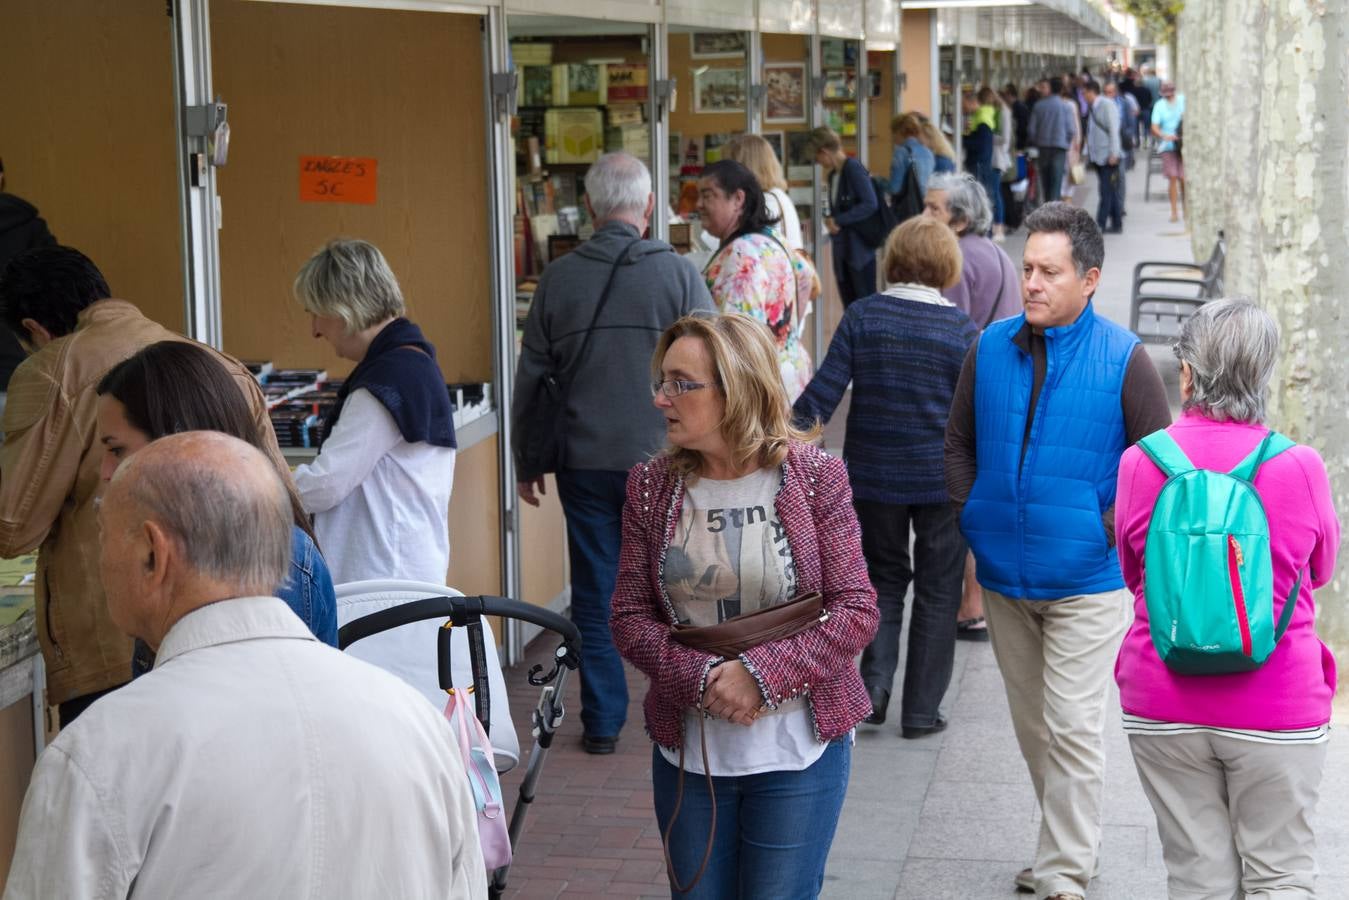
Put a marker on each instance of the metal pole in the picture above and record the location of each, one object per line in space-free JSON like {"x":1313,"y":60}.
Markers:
{"x":196,"y":174}
{"x":816,"y":101}
{"x":501,"y":231}
{"x":754,"y":79}
{"x":658,"y":114}
{"x":957,"y":82}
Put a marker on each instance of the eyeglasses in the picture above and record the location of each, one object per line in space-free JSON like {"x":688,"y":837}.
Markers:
{"x":675,"y":387}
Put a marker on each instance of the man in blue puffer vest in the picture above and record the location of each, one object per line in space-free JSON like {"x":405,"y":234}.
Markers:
{"x":1046,"y":403}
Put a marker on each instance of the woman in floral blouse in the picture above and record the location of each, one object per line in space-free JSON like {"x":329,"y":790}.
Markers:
{"x":752,"y":272}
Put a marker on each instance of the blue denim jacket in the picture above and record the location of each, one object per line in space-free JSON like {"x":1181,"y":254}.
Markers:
{"x":308,"y":590}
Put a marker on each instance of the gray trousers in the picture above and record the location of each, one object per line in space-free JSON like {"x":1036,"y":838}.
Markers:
{"x":1234,"y":815}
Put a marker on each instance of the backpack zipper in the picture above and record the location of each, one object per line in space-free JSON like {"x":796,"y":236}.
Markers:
{"x":1234,"y":563}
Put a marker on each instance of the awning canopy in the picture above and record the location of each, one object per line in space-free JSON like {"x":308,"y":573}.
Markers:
{"x":1054,"y":27}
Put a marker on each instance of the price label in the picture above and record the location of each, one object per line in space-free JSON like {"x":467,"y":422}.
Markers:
{"x":338,"y":179}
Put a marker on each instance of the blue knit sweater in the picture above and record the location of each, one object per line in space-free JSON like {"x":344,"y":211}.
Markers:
{"x":903,"y":357}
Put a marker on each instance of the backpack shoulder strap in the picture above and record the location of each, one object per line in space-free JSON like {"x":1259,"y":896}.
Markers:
{"x":1289,"y":603}
{"x":1166,"y":454}
{"x":1273,"y":444}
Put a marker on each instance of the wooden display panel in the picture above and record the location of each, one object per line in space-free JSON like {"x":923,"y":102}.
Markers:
{"x":16,"y":763}
{"x":88,"y":137}
{"x":880,"y":147}
{"x":916,"y":46}
{"x":683,"y":120}
{"x":543,"y":549}
{"x":404,"y":88}
{"x":475,"y":522}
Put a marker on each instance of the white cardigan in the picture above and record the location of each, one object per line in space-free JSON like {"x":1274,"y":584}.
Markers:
{"x":381,"y":505}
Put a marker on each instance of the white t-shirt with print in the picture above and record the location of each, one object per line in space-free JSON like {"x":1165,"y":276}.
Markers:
{"x":730,"y":556}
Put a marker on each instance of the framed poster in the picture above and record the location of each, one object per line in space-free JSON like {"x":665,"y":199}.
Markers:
{"x":784,"y":92}
{"x":717,"y":45}
{"x":778,"y":141}
{"x":719,"y":90}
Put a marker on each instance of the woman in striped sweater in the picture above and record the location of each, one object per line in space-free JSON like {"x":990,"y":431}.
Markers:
{"x":902,"y":350}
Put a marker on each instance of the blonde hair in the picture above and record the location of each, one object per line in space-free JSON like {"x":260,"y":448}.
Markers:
{"x":757,"y":424}
{"x":935,"y":140}
{"x":922,"y":251}
{"x":351,"y":280}
{"x":906,"y":126}
{"x":755,"y":153}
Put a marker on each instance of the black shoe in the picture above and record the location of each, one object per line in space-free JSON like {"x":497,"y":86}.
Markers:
{"x":880,"y":700}
{"x":600,"y":746}
{"x":916,"y":731}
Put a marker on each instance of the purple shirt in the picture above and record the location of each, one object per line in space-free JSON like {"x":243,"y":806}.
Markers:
{"x":990,"y":284}
{"x":1294,"y":687}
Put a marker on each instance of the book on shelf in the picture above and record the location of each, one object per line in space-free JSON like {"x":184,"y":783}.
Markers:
{"x":579,"y":84}
{"x":625,"y":114}
{"x":633,"y":139}
{"x":531,"y":54}
{"x":627,"y":83}
{"x":573,"y":135}
{"x":839,"y":85}
{"x":535,"y":86}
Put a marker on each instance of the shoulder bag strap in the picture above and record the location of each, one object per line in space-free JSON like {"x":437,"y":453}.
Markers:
{"x":679,"y":801}
{"x":1165,"y":453}
{"x":599,"y":308}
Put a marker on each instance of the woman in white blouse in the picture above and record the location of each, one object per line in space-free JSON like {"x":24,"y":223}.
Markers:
{"x":380,"y":487}
{"x":756,"y":154}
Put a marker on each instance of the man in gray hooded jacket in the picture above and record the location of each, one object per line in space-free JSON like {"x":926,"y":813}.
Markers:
{"x":610,"y":423}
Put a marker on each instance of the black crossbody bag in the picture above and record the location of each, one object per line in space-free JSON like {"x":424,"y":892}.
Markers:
{"x":545,"y":451}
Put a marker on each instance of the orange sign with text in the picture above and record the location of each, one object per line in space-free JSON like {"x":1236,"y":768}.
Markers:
{"x":337,"y":179}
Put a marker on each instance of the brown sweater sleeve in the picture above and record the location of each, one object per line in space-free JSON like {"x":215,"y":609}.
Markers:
{"x":1146,"y":409}
{"x":961,"y":460}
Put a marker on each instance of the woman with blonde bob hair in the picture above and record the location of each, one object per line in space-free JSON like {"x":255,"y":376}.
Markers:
{"x":755,"y":153}
{"x":379,"y":489}
{"x":902,"y":350}
{"x":740,"y":515}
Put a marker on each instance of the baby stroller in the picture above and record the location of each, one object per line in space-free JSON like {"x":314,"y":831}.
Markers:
{"x":400,"y":622}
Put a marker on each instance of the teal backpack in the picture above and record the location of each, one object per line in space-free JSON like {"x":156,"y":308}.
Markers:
{"x":1209,"y":579}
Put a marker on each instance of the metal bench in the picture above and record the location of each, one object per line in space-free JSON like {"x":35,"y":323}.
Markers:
{"x":1165,"y":294}
{"x":1154,"y":167}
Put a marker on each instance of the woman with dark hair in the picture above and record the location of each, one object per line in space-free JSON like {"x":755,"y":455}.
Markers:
{"x":175,"y":386}
{"x":753,"y":273}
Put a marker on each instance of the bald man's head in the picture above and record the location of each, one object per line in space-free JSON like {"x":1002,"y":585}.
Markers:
{"x":194,"y":508}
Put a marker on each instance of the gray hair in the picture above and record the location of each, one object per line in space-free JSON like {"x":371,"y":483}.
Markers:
{"x":966,"y":199}
{"x":1078,"y":226}
{"x":351,"y":280}
{"x":618,"y":184}
{"x":221,"y":501}
{"x":1231,"y":346}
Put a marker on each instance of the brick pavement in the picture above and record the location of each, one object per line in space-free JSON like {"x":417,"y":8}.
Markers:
{"x":591,"y":831}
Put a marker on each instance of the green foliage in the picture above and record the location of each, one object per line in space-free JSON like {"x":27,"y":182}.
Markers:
{"x":1158,"y":15}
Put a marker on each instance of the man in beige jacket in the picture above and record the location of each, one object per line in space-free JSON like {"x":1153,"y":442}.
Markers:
{"x":59,"y":305}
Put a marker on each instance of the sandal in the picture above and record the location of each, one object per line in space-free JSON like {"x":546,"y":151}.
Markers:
{"x":975,"y":629}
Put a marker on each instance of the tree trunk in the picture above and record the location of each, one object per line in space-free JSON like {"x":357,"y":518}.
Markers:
{"x":1267,"y":156}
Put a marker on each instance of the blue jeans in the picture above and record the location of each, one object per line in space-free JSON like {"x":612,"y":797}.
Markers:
{"x":773,"y":829}
{"x":1110,"y":202}
{"x":593,"y":504}
{"x":1049,"y":170}
{"x":991,"y":179}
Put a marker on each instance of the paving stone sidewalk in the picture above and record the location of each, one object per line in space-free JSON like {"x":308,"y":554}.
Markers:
{"x":947,"y":816}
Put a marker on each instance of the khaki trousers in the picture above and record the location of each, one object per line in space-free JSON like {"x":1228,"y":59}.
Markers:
{"x":1234,"y":815}
{"x":1057,"y":657}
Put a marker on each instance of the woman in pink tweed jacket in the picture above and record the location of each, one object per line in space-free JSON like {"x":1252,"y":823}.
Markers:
{"x":741,"y":514}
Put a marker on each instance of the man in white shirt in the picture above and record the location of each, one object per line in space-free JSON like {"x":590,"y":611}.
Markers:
{"x":253,"y":761}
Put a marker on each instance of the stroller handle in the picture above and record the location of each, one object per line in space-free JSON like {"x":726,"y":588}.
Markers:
{"x":448,"y":607}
